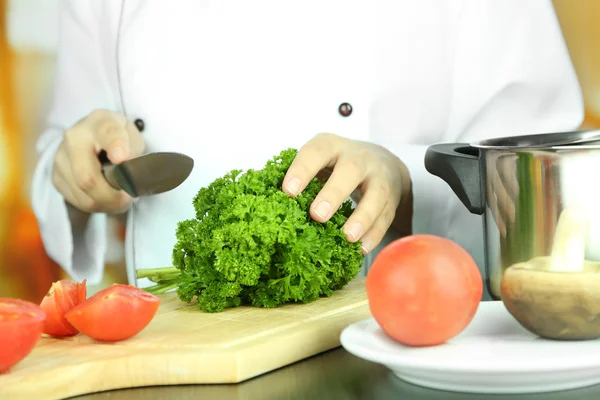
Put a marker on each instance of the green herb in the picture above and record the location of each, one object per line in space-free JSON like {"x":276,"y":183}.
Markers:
{"x":252,"y":244}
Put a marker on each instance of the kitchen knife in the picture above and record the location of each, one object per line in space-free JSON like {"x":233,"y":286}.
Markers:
{"x":152,"y":173}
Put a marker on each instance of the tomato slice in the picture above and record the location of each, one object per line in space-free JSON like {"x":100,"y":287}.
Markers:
{"x":62,"y":297}
{"x":21,"y":325}
{"x":115,"y":313}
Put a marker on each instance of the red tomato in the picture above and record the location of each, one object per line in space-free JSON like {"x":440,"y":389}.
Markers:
{"x":423,"y":290}
{"x":21,"y":325}
{"x":62,"y":296}
{"x":115,"y":313}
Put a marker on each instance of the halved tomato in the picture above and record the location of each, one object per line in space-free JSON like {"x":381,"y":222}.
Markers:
{"x":62,"y":297}
{"x":21,"y":325}
{"x":115,"y":313}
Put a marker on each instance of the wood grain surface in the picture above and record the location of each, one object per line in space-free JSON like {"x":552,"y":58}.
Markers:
{"x":183,"y":345}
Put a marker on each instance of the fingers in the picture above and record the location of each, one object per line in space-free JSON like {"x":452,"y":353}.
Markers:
{"x":378,"y":229}
{"x":64,"y":188}
{"x":82,"y":167}
{"x":96,"y":200}
{"x":63,"y":181}
{"x":315,"y":155}
{"x":77,"y":172}
{"x":375,"y":198}
{"x":348,"y":174}
{"x":348,"y":167}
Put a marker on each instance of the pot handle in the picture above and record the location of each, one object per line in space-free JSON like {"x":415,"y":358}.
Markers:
{"x":458,"y":165}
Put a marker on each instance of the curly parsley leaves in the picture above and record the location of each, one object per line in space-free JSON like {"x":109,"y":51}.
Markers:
{"x":252,"y":244}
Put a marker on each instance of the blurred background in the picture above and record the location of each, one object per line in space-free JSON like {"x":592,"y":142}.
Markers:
{"x":28,"y":38}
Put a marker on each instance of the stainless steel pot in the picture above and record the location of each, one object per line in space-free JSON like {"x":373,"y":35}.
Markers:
{"x":521,"y":185}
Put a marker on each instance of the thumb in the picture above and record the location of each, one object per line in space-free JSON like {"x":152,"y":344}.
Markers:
{"x":116,"y":144}
{"x":137,"y":146}
{"x":109,"y":134}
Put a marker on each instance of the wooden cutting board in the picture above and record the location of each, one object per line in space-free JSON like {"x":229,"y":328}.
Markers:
{"x":183,"y":345}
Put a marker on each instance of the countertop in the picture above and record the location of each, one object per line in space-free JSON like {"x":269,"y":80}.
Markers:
{"x":334,"y":375}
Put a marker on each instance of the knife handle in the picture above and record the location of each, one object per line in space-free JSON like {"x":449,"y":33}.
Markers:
{"x":103,"y":157}
{"x":108,"y":170}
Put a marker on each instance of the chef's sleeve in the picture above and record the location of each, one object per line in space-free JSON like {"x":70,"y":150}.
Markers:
{"x":79,"y":88}
{"x":511,"y":74}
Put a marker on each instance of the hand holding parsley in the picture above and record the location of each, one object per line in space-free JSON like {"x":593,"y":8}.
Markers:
{"x":252,"y":244}
{"x":380,"y":177}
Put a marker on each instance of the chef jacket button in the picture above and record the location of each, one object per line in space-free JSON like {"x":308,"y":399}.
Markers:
{"x":345,"y":109}
{"x":139,"y":123}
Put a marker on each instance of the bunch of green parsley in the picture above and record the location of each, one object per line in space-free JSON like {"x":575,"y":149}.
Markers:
{"x":252,"y":244}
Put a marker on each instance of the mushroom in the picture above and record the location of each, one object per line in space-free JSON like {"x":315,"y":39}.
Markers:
{"x":557,"y":296}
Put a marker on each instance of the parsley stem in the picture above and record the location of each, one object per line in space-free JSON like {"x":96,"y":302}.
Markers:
{"x":158,"y":278}
{"x":162,"y":287}
{"x":157,"y":273}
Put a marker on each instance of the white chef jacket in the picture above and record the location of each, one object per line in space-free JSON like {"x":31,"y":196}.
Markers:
{"x":232,"y":83}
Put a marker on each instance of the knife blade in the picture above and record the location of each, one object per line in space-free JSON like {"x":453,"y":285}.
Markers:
{"x":149,"y":174}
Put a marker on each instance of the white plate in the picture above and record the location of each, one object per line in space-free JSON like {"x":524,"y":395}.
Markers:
{"x":494,"y":354}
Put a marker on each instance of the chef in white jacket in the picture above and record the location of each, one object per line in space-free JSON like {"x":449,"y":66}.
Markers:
{"x":232,"y":83}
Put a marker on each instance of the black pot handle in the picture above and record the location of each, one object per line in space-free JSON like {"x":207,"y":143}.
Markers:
{"x":458,"y":164}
